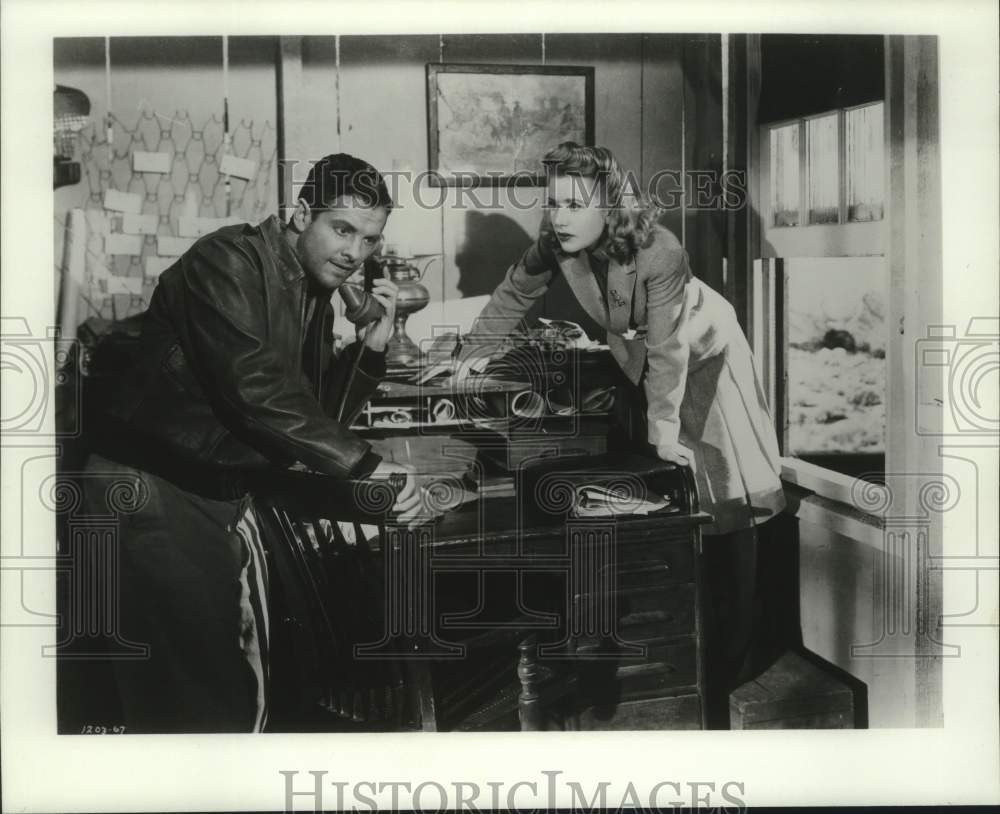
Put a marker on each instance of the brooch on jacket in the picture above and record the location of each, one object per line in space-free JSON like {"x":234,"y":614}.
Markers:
{"x":617,"y":298}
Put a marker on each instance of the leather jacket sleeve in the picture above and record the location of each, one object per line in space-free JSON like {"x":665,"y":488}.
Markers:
{"x":253,"y":389}
{"x":363,"y":383}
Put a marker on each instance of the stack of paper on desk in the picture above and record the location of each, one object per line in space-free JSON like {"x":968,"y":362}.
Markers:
{"x":573,"y":335}
{"x":597,"y":501}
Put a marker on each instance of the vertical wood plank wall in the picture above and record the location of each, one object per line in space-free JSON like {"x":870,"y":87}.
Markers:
{"x":370,"y":100}
{"x":640,"y":98}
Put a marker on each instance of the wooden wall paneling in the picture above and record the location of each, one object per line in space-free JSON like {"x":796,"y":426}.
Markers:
{"x":704,"y":227}
{"x":617,"y":77}
{"x":662,"y":117}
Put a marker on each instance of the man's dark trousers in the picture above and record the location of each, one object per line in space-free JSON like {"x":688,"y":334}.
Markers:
{"x":192,"y":586}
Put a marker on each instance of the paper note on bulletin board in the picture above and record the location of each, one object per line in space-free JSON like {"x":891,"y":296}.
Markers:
{"x":124,"y":285}
{"x":151,"y":162}
{"x":140,"y":224}
{"x":196,"y":227}
{"x":239,"y":167}
{"x":122,"y":244}
{"x":123,"y":201}
{"x":167,"y":246}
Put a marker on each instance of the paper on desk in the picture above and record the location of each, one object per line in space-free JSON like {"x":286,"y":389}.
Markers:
{"x":573,"y":334}
{"x":598,"y":501}
{"x":476,"y":364}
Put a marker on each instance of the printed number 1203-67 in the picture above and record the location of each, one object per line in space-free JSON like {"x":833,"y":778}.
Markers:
{"x":90,"y":729}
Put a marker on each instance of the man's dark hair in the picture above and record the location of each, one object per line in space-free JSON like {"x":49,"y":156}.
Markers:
{"x":342,"y":174}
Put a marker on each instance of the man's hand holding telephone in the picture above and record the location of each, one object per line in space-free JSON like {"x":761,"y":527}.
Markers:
{"x":373,"y":309}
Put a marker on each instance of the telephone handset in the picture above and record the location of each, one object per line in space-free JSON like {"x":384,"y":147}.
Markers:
{"x":362,"y":307}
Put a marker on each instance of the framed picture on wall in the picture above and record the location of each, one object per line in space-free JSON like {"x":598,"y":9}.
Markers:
{"x":491,"y":124}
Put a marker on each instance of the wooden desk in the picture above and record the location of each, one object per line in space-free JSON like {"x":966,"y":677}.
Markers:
{"x":615,"y":605}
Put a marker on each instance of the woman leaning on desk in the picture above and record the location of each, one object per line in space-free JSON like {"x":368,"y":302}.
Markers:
{"x":679,"y":342}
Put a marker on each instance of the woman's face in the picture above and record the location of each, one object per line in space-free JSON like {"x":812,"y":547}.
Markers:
{"x":575,"y":211}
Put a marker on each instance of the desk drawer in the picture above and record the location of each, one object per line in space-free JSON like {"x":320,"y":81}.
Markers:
{"x":659,"y":561}
{"x":648,"y":614}
{"x":665,"y":667}
{"x":662,"y":670}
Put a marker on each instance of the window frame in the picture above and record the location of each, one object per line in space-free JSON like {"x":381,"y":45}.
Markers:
{"x":768,"y":309}
{"x":913,"y":232}
{"x":842,"y":239}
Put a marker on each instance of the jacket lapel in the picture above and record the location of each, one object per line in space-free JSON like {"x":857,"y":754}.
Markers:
{"x":581,"y":280}
{"x":615,"y":317}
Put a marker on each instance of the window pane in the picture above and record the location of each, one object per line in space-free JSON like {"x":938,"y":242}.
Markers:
{"x":865,"y":179}
{"x":822,"y":177}
{"x":836,"y":334}
{"x":785,"y":175}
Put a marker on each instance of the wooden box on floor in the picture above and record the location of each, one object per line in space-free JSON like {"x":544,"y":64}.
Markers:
{"x":792,"y":694}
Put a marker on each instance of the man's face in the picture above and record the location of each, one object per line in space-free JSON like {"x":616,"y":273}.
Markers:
{"x":336,"y":241}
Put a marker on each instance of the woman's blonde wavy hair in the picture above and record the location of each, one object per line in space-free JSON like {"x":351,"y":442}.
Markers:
{"x":631,"y":216}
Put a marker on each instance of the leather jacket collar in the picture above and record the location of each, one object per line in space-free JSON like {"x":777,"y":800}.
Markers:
{"x":273,"y":231}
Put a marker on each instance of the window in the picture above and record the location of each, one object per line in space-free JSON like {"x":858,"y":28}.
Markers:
{"x":825,"y":170}
{"x":835,"y":337}
{"x":863,"y":150}
{"x":822,"y":324}
{"x":822,"y":169}
{"x":784,"y":187}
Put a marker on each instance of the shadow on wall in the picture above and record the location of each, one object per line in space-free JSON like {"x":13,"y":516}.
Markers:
{"x":492,"y":243}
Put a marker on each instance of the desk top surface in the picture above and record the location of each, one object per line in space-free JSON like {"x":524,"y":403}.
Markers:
{"x":495,"y":525}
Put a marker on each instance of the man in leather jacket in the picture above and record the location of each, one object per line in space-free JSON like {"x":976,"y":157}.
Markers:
{"x":234,"y":376}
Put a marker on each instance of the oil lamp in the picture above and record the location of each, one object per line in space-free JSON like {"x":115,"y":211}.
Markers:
{"x":406,"y":272}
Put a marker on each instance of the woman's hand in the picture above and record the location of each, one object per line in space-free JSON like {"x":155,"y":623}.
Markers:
{"x":376,"y":335}
{"x":676,"y":454}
